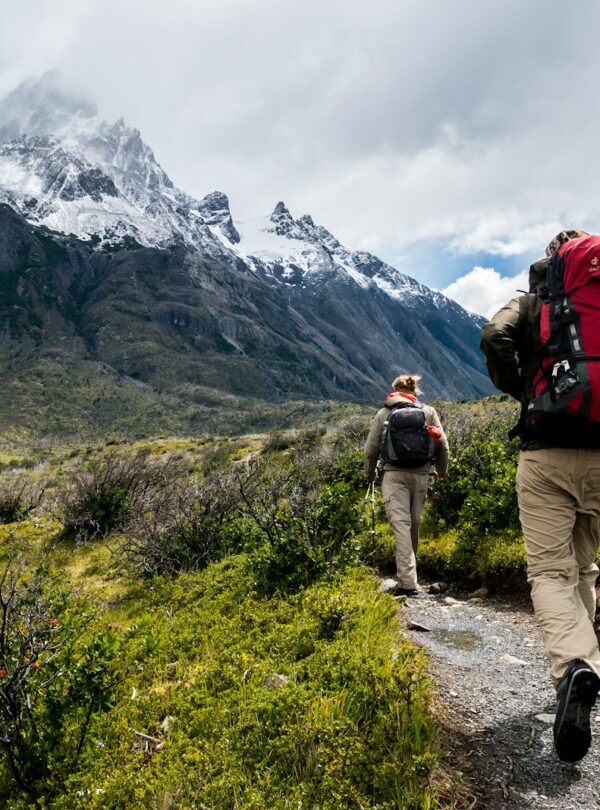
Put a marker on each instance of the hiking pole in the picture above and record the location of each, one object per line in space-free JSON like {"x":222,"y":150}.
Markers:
{"x":371,"y":496}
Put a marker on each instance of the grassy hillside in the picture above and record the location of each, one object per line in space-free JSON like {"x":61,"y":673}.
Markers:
{"x":103,"y":403}
{"x":193,"y":623}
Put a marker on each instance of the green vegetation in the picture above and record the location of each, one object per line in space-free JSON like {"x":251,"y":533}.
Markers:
{"x":207,"y":633}
{"x":254,"y":703}
{"x":471,"y":530}
{"x":103,"y":403}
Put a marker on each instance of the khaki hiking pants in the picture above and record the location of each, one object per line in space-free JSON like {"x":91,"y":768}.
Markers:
{"x":559,"y":505}
{"x":404,"y":494}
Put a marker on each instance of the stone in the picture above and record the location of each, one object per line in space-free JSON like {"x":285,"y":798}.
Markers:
{"x":387,"y":584}
{"x":449,"y":600}
{"x":480,"y":593}
{"x":419,"y":628}
{"x":276,"y":681}
{"x":545,"y":718}
{"x":166,"y":724}
{"x":513,"y":661}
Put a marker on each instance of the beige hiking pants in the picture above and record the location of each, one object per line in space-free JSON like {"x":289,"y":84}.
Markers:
{"x":404,"y":494}
{"x":559,"y":505}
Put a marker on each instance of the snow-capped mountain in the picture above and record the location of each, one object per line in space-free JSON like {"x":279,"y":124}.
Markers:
{"x":167,"y":290}
{"x":64,"y":167}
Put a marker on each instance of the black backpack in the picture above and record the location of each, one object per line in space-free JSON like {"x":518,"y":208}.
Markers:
{"x":405,"y":441}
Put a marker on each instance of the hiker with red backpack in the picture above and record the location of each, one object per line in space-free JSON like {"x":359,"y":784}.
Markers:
{"x":405,"y":439}
{"x":543,"y":348}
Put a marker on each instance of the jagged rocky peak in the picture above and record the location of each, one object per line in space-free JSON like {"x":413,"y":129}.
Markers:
{"x":318,"y":233}
{"x":214,"y":209}
{"x":63,"y":166}
{"x":281,"y":211}
{"x":40,"y":108}
{"x":285,"y":224}
{"x":303,"y":228}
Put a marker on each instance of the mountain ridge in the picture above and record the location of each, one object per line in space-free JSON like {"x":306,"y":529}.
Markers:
{"x":169,"y":291}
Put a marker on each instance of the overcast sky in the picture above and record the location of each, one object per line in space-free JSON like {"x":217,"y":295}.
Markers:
{"x":452,"y":138}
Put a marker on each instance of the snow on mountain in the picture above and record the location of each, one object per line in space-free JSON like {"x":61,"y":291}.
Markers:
{"x":64,"y":167}
{"x":298,"y":251}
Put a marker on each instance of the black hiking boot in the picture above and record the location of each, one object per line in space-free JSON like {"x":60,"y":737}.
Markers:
{"x":576,"y":694}
{"x":398,"y":590}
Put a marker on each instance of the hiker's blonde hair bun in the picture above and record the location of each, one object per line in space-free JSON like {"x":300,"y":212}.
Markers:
{"x":407,"y":382}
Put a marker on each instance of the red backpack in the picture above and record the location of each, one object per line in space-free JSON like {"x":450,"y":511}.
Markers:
{"x":567,"y":381}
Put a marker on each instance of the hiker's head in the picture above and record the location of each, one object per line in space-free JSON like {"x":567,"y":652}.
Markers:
{"x":561,"y":238}
{"x":407,"y":384}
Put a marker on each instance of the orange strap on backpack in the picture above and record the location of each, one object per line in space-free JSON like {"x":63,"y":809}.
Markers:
{"x":436,"y":432}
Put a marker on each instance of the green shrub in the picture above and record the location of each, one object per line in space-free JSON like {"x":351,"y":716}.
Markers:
{"x":104,"y":495}
{"x":307,"y":532}
{"x":191,"y":525}
{"x":479,"y":488}
{"x":18,"y":498}
{"x":58,"y":671}
{"x":466,"y":556}
{"x":471,"y":520}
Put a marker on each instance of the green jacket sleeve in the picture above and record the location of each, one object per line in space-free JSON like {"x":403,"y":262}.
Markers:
{"x":500,"y":341}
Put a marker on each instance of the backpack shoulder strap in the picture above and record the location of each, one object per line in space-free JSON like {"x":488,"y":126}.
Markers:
{"x":555,"y":277}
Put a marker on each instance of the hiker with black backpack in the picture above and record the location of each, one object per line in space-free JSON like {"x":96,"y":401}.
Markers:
{"x":543,"y":348}
{"x":406,"y":438}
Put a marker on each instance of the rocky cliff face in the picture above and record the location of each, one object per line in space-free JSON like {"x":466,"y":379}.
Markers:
{"x":103,"y":260}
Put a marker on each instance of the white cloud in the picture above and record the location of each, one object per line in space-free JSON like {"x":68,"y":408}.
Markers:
{"x":391,"y":123}
{"x":484,"y":291}
{"x":506,"y":234}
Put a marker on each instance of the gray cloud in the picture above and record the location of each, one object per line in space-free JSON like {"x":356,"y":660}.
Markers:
{"x":393,"y":122}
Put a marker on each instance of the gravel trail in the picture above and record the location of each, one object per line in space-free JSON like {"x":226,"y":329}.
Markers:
{"x":488,"y":660}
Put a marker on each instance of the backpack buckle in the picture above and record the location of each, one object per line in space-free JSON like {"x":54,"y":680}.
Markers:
{"x":563,"y":378}
{"x":565,"y":365}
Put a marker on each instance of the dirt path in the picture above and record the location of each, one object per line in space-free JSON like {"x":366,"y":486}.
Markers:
{"x":489,"y":663}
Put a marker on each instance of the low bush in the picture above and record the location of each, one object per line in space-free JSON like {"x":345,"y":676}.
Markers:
{"x":107,"y":493}
{"x":471,"y":525}
{"x":305,"y":530}
{"x":191,"y":525}
{"x":480,"y":486}
{"x":18,"y":498}
{"x":497,"y":560}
